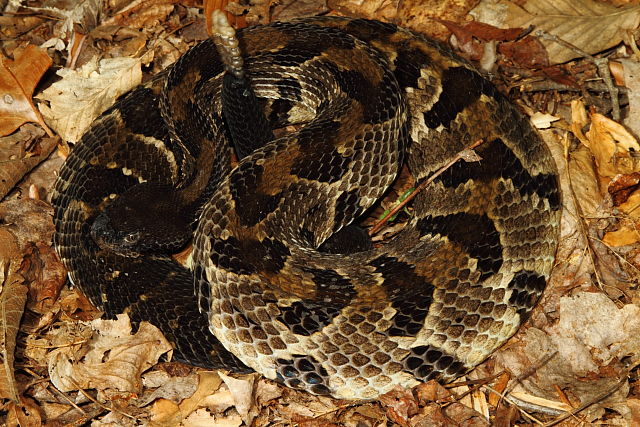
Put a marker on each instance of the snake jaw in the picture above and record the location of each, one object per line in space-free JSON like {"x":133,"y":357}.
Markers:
{"x":104,"y":234}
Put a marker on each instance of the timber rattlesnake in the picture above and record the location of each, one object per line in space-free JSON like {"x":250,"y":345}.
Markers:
{"x":432,"y":302}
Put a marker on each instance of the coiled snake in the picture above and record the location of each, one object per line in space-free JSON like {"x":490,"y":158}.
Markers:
{"x":431,"y":303}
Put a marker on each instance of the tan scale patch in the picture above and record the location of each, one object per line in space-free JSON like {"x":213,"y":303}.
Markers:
{"x":267,"y":39}
{"x":356,"y":59}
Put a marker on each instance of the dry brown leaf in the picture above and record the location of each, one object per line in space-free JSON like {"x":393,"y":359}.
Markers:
{"x":627,"y":234}
{"x":628,"y":231}
{"x":12,"y":26}
{"x":18,"y":80}
{"x":400,"y":405}
{"x":634,"y":416}
{"x":13,"y":297}
{"x":415,"y":14}
{"x":114,"y":358}
{"x":590,"y":25}
{"x":81,"y":95}
{"x":30,"y":220}
{"x":45,"y":274}
{"x":25,"y":413}
{"x":526,"y":53}
{"x":290,"y":9}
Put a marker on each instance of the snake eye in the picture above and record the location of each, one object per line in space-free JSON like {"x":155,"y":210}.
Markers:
{"x":132,"y":238}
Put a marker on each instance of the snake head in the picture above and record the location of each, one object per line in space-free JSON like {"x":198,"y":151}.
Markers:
{"x":147,"y":218}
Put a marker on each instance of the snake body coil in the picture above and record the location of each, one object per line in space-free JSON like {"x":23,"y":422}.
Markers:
{"x":431,"y":303}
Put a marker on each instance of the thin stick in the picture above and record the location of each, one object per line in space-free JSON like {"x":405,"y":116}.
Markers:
{"x":422,"y":186}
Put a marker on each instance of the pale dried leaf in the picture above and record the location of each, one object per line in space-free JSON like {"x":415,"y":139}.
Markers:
{"x":480,"y":403}
{"x":204,"y":418}
{"x":380,"y":9}
{"x":242,"y":391}
{"x":266,"y":391}
{"x":306,"y":405}
{"x":590,"y":25}
{"x":539,"y":401}
{"x":115,"y":419}
{"x":593,"y":331}
{"x":115,"y":359}
{"x":175,"y":389}
{"x":219,"y":401}
{"x":543,"y":120}
{"x":81,"y":95}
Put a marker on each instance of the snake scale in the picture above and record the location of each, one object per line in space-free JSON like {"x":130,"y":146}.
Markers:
{"x":430,"y":303}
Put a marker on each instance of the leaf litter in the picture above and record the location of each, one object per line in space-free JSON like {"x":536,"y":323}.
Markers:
{"x":574,"y":361}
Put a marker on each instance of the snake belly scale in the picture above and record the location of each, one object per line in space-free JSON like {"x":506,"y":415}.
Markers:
{"x":431,"y":303}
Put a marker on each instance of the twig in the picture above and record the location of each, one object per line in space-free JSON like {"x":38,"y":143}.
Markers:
{"x":542,"y":86}
{"x":601,"y":63}
{"x":422,"y":186}
{"x":530,"y":371}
